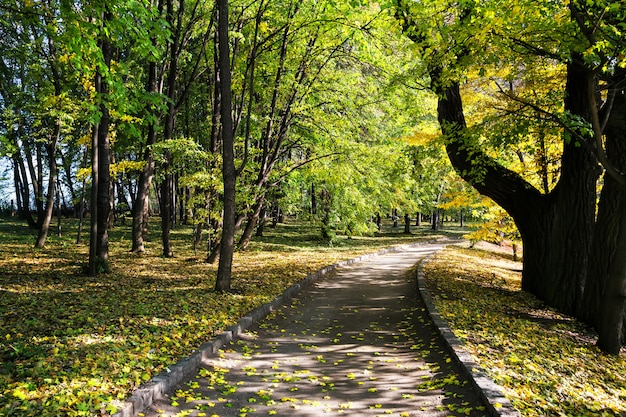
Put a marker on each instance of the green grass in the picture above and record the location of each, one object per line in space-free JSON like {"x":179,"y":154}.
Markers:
{"x":73,"y":345}
{"x":547,"y":362}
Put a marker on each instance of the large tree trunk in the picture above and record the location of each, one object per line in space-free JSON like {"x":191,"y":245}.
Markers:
{"x":610,"y":321}
{"x":101,"y":177}
{"x":227,"y":244}
{"x":604,"y":289}
{"x":555,"y":228}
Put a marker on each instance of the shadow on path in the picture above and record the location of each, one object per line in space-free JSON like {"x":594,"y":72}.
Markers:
{"x":358,"y":342}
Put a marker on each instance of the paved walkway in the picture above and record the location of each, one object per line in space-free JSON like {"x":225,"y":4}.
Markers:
{"x":357,"y":343}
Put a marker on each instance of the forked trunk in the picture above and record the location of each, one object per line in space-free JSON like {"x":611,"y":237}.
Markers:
{"x":555,"y":228}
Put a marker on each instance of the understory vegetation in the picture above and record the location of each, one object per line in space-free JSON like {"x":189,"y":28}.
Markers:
{"x":546,"y":362}
{"x":76,"y":345}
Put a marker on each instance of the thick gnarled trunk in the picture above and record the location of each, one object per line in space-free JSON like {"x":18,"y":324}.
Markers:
{"x":605,"y":292}
{"x":555,"y":228}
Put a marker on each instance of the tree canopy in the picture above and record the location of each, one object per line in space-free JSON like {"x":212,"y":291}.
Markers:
{"x":338,"y":111}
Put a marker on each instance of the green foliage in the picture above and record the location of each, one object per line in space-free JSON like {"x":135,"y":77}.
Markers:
{"x":493,"y":225}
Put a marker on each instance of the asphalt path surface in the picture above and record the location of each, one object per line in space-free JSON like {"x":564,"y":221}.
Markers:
{"x":359,"y":342}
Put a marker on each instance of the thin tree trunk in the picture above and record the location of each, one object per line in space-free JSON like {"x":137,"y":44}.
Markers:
{"x":166,"y":208}
{"x":142,"y":197}
{"x":407,"y":224}
{"x":262,"y":220}
{"x":104,"y":188}
{"x":34,"y":181}
{"x":81,"y":204}
{"x":52,"y":182}
{"x":253,"y":219}
{"x":93,"y":219}
{"x":59,"y":208}
{"x":22,"y":191}
{"x":224,"y":270}
{"x":140,"y":206}
{"x":67,"y":168}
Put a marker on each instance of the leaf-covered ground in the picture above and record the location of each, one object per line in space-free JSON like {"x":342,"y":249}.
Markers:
{"x":546,"y":362}
{"x":73,"y":345}
{"x":357,"y":343}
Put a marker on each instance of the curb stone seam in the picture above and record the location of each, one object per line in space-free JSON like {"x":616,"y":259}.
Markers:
{"x":145,"y":395}
{"x":491,"y":393}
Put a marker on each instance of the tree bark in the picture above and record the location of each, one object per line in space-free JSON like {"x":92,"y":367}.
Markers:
{"x":93,"y":220}
{"x":555,"y":228}
{"x":104,"y":187}
{"x":166,"y":208}
{"x":22,"y":190}
{"x":262,"y":220}
{"x":52,"y":182}
{"x":101,"y":177}
{"x":227,"y":244}
{"x":253,"y":219}
{"x":610,"y":322}
{"x":604,"y":290}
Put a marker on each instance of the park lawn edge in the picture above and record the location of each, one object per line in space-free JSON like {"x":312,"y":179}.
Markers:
{"x":546,"y":363}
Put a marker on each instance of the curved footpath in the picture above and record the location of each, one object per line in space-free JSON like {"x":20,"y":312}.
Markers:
{"x":358,"y":341}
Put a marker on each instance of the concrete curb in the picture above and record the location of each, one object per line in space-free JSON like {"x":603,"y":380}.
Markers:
{"x":491,"y":393}
{"x":158,"y":386}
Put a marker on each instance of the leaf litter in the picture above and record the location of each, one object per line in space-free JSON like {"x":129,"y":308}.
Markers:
{"x":546,"y":362}
{"x":77,"y":346}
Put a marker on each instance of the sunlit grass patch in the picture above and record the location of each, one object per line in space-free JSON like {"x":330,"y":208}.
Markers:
{"x":546,"y":362}
{"x":71,"y":345}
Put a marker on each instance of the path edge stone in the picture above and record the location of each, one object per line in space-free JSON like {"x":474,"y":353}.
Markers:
{"x":146,"y":394}
{"x":490,"y":392}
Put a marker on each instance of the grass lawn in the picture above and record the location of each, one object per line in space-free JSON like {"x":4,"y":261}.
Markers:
{"x":73,"y":345}
{"x":546,"y":362}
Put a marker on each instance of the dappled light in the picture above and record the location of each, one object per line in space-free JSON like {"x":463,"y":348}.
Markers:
{"x":352,"y":344}
{"x":60,"y":329}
